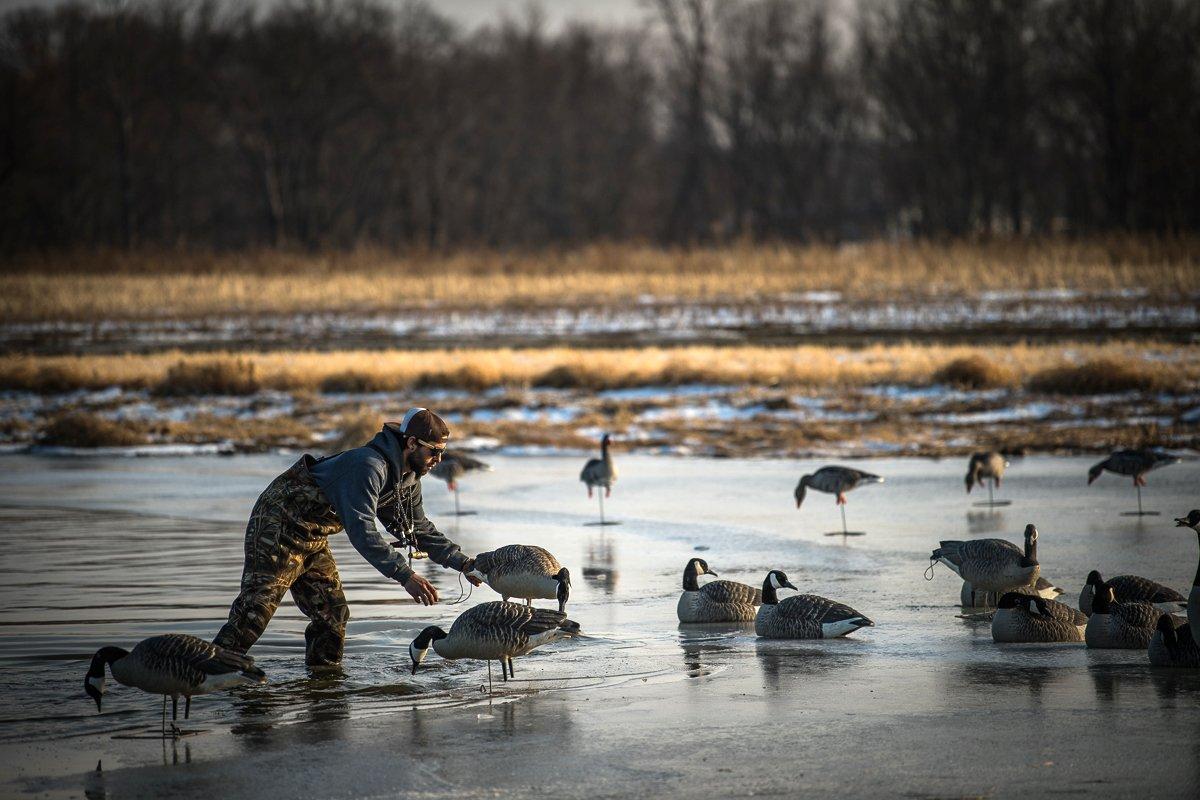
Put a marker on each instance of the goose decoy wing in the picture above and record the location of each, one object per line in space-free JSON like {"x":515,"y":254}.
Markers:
{"x":732,"y":592}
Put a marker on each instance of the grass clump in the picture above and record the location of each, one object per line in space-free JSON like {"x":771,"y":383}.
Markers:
{"x":84,"y":429}
{"x":1097,"y":376}
{"x":356,"y":382}
{"x":974,"y":372}
{"x":226,"y":376}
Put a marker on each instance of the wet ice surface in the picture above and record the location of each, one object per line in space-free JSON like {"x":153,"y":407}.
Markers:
{"x":109,"y":551}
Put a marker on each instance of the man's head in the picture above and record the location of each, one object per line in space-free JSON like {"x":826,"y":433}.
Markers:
{"x":424,"y":435}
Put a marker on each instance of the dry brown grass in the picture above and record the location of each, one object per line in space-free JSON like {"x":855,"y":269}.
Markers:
{"x":228,"y":376}
{"x":95,"y":286}
{"x":1100,"y":376}
{"x":83,"y":429}
{"x":974,"y":372}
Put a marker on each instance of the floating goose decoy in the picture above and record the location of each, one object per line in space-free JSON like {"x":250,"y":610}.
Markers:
{"x":172,"y":665}
{"x":1120,"y":626}
{"x":1192,"y":520}
{"x":1173,"y":644}
{"x":717,"y":601}
{"x":1131,"y":589}
{"x":454,"y":465}
{"x":1135,"y":464}
{"x":526,"y":571}
{"x":494,"y":631}
{"x":993,"y":565}
{"x":600,"y":472}
{"x":1027,"y":618}
{"x":979,"y":598}
{"x":803,"y":616}
{"x":983,"y":466}
{"x":834,"y":480}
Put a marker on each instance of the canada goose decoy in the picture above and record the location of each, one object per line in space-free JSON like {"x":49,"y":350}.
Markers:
{"x":494,"y":631}
{"x":716,"y":601}
{"x":993,"y":565}
{"x":1173,"y":644}
{"x":803,"y":616}
{"x":452,"y":467}
{"x":1027,"y":618}
{"x":986,"y":466}
{"x":526,"y":571}
{"x":1135,"y":464}
{"x":971,"y":597}
{"x":1120,"y":626}
{"x":1131,"y":589}
{"x":835,"y":480}
{"x":172,"y":665}
{"x":1192,"y":520}
{"x":600,"y":472}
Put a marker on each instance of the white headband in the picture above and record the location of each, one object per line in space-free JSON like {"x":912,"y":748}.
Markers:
{"x":412,"y":412}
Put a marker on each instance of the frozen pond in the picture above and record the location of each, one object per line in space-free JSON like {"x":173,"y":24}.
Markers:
{"x":102,"y":551}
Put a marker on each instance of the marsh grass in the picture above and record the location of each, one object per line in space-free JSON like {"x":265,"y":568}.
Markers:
{"x":92,"y":286}
{"x":84,"y":429}
{"x":975,"y":372}
{"x":199,"y":376}
{"x":1103,"y":375}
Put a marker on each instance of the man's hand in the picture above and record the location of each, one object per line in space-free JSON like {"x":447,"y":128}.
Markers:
{"x":467,"y":567}
{"x":422,"y":590}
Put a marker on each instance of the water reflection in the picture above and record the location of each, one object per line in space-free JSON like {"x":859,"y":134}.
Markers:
{"x":972,"y":680}
{"x":702,"y":644}
{"x":783,"y":660}
{"x":989,"y":521}
{"x":94,"y":787}
{"x":599,"y":565}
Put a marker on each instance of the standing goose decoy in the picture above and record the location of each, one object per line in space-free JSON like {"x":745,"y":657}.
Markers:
{"x":526,"y":571}
{"x":452,"y":467}
{"x":717,"y":601}
{"x":1115,"y":625}
{"x":803,"y":616}
{"x":1173,"y":644}
{"x":834,"y":480}
{"x":1135,"y":464}
{"x":1131,"y":589}
{"x":494,"y":631}
{"x":971,"y":597}
{"x":600,"y":472}
{"x":1192,"y":520}
{"x":984,"y":466}
{"x":1027,"y":618}
{"x":992,"y":565}
{"x":172,"y":665}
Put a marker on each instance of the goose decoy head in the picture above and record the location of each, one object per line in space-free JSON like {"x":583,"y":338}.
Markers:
{"x":1095,"y":579}
{"x":1192,"y":520}
{"x":564,"y":589}
{"x":1094,"y":472}
{"x":1166,"y":626}
{"x":1031,"y":533}
{"x":970,"y":479}
{"x":420,"y":645}
{"x":93,"y":683}
{"x":779,"y":580}
{"x":801,"y":489}
{"x":694,"y":569}
{"x":1012,"y":600}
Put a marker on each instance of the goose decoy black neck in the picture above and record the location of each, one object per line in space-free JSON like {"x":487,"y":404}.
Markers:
{"x":1102,"y":599}
{"x":1166,"y":626}
{"x":1031,"y":537}
{"x":776,"y":579}
{"x":802,"y":489}
{"x":564,"y":589}
{"x":93,"y":683}
{"x":694,"y":569}
{"x":1011,"y":600}
{"x":419,"y":647}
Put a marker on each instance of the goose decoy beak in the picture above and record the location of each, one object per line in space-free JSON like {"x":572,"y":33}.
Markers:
{"x":710,"y":572}
{"x":789,"y":585}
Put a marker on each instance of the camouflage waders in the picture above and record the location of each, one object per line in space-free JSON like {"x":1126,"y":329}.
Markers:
{"x":287,"y":548}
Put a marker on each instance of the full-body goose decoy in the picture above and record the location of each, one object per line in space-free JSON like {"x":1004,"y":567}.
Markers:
{"x":495,"y":631}
{"x":985,"y":466}
{"x":600,"y":472}
{"x":1131,"y":589}
{"x":1135,"y":464}
{"x":1120,"y":626}
{"x":993,"y":565}
{"x":172,"y":665}
{"x":1026,"y":618}
{"x":716,"y":601}
{"x":834,"y":480}
{"x":1192,"y":520}
{"x":1173,"y":644}
{"x":979,"y":598}
{"x":526,"y":571}
{"x":803,"y":616}
{"x":452,"y":467}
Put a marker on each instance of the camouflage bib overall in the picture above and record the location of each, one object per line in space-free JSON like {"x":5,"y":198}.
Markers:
{"x":287,"y":547}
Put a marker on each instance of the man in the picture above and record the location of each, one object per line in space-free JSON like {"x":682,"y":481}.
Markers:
{"x":287,"y":545}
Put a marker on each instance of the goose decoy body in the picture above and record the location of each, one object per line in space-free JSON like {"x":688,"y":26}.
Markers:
{"x":1120,"y":626}
{"x":526,"y":571}
{"x":993,"y":565}
{"x":971,"y":597}
{"x":601,"y":471}
{"x":1192,"y":520}
{"x":493,"y":631}
{"x":803,"y":616}
{"x":1173,"y":644}
{"x":1130,"y":589}
{"x":1134,"y":464}
{"x":452,"y":467}
{"x":834,"y":480}
{"x":983,"y":466}
{"x":173,"y":665}
{"x":716,"y":601}
{"x":1028,"y":618}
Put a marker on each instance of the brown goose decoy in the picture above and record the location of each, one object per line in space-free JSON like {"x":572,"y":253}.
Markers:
{"x":1026,"y":618}
{"x":992,"y":565}
{"x":453,"y":466}
{"x":1134,"y":464}
{"x":803,"y":616}
{"x":600,"y":472}
{"x":1131,"y":589}
{"x":1120,"y":626}
{"x":834,"y":480}
{"x":716,"y":601}
{"x":1173,"y":644}
{"x":982,"y":467}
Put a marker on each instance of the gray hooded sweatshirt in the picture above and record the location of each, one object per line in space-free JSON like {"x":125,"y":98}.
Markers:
{"x":355,"y":483}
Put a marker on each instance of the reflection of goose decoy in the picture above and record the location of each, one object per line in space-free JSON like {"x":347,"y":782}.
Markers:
{"x":1130,"y":589}
{"x":600,"y":564}
{"x":1115,"y":625}
{"x":494,"y":631}
{"x":983,"y":467}
{"x":979,"y":598}
{"x":834,"y":480}
{"x":993,"y":565}
{"x":453,"y":466}
{"x":1173,"y":644}
{"x":803,"y":616}
{"x":1026,"y":618}
{"x":717,"y":601}
{"x":172,"y":665}
{"x":1134,"y":464}
{"x":526,"y":571}
{"x":1192,"y":520}
{"x":600,"y":472}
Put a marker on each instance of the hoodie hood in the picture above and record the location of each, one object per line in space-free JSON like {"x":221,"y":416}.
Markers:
{"x":390,"y":441}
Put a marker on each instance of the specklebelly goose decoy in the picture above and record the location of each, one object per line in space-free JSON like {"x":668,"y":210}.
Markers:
{"x":1173,"y":644}
{"x":600,"y":472}
{"x":716,"y":601}
{"x":986,"y":466}
{"x":525,"y":571}
{"x":1026,"y":618}
{"x":1134,"y":464}
{"x":971,"y":597}
{"x":1192,"y":520}
{"x":834,"y":480}
{"x":452,"y":467}
{"x":1130,"y":589}
{"x":173,"y":665}
{"x":803,"y":616}
{"x":992,"y":565}
{"x":494,"y":631}
{"x":1115,"y":625}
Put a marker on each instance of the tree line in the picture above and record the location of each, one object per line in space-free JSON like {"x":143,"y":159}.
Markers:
{"x":333,"y":125}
